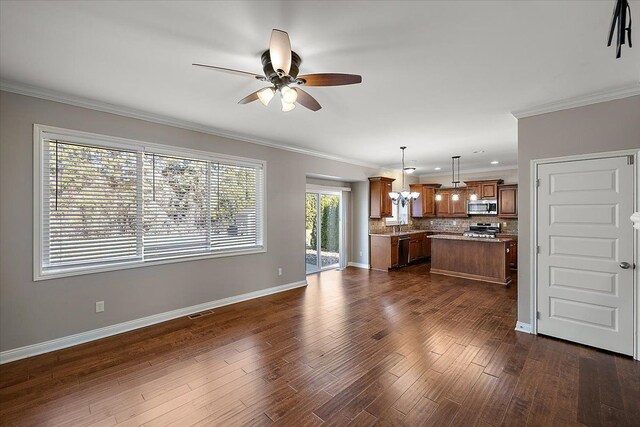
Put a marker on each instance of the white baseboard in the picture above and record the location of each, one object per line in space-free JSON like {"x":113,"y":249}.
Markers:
{"x":358,"y":265}
{"x":523,"y":327}
{"x":107,"y":331}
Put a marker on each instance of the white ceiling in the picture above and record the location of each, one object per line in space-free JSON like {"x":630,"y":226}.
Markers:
{"x":438,"y":77}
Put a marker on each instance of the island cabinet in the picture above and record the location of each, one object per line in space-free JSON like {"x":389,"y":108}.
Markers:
{"x":425,"y":205}
{"x":380,"y":205}
{"x":508,"y":201}
{"x":486,"y":260}
{"x":449,"y":208}
{"x":483,"y":189}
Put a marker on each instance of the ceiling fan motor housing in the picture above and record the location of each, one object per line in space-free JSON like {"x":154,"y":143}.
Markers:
{"x":273,"y":76}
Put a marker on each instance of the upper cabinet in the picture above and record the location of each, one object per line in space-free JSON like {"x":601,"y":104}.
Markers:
{"x":508,"y":201}
{"x":379,"y":201}
{"x":425,"y":205}
{"x":483,"y":189}
{"x":447,"y":207}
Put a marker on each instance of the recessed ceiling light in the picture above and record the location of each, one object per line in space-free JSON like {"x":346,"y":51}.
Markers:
{"x":478,"y":151}
{"x":438,"y":169}
{"x":495,"y":162}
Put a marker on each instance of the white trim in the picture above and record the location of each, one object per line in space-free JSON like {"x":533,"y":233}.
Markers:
{"x":51,"y":95}
{"x":523,"y":327}
{"x":580,"y":101}
{"x":358,"y":265}
{"x":83,"y":337}
{"x":326,"y":189}
{"x":40,"y":132}
{"x":533,"y":255}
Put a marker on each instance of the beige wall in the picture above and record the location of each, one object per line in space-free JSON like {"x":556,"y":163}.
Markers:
{"x":509,"y":176}
{"x":607,"y":126}
{"x":33,"y":312}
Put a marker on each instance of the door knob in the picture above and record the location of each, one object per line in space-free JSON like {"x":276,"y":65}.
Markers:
{"x":625,"y":265}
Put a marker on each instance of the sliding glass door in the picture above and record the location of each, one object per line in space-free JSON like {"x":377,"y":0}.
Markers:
{"x":322,"y":237}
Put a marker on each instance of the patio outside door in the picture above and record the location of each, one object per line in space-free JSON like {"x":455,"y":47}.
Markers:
{"x":322,"y":237}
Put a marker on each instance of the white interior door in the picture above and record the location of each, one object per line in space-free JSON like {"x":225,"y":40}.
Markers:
{"x":585,"y":293}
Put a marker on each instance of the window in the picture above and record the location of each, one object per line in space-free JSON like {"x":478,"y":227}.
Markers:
{"x":105,"y":203}
{"x":400,"y":215}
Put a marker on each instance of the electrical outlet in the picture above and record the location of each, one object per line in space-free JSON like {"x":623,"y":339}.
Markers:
{"x":99,"y":306}
{"x":455,"y":222}
{"x":504,"y":224}
{"x":279,"y":271}
{"x":360,"y":253}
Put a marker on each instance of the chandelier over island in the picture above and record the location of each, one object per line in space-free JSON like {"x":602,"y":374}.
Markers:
{"x":404,"y":197}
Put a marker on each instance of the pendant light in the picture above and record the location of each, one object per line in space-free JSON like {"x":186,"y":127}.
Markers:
{"x":404,"y":196}
{"x":455,"y":180}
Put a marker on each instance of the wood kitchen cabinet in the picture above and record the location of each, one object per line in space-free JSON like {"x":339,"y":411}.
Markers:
{"x":426,"y":245}
{"x":425,"y":205}
{"x":458,"y":207}
{"x":508,"y":201}
{"x":447,"y":207}
{"x":380,"y":204}
{"x":442,"y":205}
{"x":513,"y":254}
{"x":384,"y":248}
{"x":415,"y":248}
{"x":484,"y":189}
{"x":473,"y":189}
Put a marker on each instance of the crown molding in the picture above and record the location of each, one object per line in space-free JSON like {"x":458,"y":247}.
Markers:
{"x":580,"y":101}
{"x":92,"y":104}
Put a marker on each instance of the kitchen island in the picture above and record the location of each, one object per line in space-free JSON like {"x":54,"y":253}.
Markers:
{"x":475,"y":258}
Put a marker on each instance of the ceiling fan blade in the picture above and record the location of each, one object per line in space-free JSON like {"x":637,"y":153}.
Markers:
{"x":251,"y":97}
{"x":307,"y":100}
{"x":232,"y":71}
{"x":280,"y":51}
{"x":330,"y":79}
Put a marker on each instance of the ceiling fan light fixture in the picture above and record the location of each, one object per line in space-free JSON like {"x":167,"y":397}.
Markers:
{"x":266,"y":95}
{"x":287,"y":106}
{"x":288,"y":95}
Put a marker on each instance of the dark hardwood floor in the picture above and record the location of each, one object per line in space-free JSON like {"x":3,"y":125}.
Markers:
{"x":352,"y":348}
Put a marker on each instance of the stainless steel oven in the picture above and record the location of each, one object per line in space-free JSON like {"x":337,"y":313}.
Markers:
{"x":482,"y":207}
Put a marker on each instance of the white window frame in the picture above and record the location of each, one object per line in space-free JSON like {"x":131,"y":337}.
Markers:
{"x":397,"y":215}
{"x":44,"y":132}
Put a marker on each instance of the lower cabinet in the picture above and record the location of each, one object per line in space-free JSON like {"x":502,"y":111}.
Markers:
{"x":415,"y":248}
{"x":384,"y":249}
{"x":513,"y":254}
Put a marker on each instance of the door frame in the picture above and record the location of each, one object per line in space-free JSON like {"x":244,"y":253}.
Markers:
{"x":533,"y":249}
{"x":342,"y":246}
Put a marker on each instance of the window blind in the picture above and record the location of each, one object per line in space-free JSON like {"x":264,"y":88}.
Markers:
{"x":90,"y":206}
{"x":176,"y":214}
{"x":103,"y":206}
{"x":235,"y":205}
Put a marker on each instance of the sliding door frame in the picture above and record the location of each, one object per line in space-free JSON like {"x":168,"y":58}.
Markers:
{"x":342,"y":256}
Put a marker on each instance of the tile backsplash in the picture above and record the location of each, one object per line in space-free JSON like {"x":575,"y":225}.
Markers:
{"x":454,"y":225}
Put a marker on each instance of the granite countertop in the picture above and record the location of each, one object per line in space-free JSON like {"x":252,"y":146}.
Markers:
{"x":471,"y":239}
{"x":402,"y":233}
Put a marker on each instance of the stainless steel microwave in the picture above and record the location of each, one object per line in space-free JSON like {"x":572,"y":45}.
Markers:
{"x":482,"y":207}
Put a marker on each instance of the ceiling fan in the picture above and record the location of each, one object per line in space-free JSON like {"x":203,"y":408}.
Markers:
{"x":281,"y":66}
